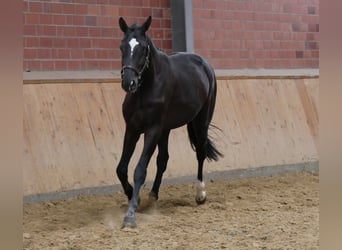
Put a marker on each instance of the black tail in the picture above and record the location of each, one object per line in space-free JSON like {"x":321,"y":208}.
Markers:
{"x":212,"y":152}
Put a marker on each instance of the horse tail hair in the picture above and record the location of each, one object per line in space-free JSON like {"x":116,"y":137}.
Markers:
{"x":192,"y":137}
{"x":212,"y":152}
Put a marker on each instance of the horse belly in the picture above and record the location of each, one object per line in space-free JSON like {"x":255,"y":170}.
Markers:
{"x":180,"y":116}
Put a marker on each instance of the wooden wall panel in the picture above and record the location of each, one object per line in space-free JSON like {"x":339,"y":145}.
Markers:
{"x":73,"y":133}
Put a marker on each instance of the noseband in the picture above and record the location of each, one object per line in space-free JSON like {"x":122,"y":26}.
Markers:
{"x":139,"y":73}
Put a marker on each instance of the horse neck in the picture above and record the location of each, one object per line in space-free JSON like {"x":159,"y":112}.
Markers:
{"x":155,"y":57}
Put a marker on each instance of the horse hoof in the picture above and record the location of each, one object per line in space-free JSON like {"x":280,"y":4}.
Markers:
{"x":152,"y":196}
{"x":201,"y":195}
{"x":129,"y":222}
{"x":200,"y":200}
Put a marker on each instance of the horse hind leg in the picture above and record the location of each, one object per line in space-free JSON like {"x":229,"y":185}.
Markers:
{"x":198,"y":138}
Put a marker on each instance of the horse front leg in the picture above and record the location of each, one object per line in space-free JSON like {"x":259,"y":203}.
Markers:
{"x":162,"y":159}
{"x":150,"y":141}
{"x":130,"y":141}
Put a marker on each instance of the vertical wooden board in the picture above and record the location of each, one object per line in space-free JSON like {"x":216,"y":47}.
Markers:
{"x":225,"y":117}
{"x":300,"y":133}
{"x":245,"y":120}
{"x":309,"y":93}
{"x":262,"y":127}
{"x":31,"y":173}
{"x":94,"y":124}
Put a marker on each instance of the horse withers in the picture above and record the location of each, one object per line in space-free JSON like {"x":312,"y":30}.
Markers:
{"x":163,"y":92}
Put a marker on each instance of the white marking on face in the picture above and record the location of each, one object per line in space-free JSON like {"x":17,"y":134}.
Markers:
{"x":132,"y":43}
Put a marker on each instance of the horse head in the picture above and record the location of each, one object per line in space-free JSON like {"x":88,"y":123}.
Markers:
{"x":135,"y":52}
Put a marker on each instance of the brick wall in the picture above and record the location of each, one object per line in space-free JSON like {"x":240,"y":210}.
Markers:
{"x":231,"y":34}
{"x":258,"y":33}
{"x":84,"y":34}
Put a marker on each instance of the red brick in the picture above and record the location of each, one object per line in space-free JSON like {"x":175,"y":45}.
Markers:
{"x":78,"y":20}
{"x":63,"y":53}
{"x":59,"y":42}
{"x":299,"y":54}
{"x":102,"y":21}
{"x":94,"y":32}
{"x":102,"y":1}
{"x":69,"y":20}
{"x":47,"y":65}
{"x":74,"y":65}
{"x":73,"y":43}
{"x":30,"y":53}
{"x":44,"y":53}
{"x":32,"y":18}
{"x":49,"y":30}
{"x":105,"y":43}
{"x":107,"y":32}
{"x":46,"y":42}
{"x":69,"y":31}
{"x":101,"y":53}
{"x":58,"y":19}
{"x":56,"y":8}
{"x":114,"y":54}
{"x":94,"y":10}
{"x":35,"y":7}
{"x":155,"y":3}
{"x":46,"y":19}
{"x":167,"y":14}
{"x":157,"y":13}
{"x":85,"y":42}
{"x":60,"y":65}
{"x":76,"y":53}
{"x":91,"y":20}
{"x":81,"y":31}
{"x":112,"y":10}
{"x":32,"y":42}
{"x":104,"y":65}
{"x":165,"y":3}
{"x":29,"y":30}
{"x":315,"y":53}
{"x":68,"y":8}
{"x":89,"y":53}
{"x":157,"y":34}
{"x":313,"y":27}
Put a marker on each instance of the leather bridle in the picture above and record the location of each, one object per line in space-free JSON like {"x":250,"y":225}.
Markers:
{"x":138,"y":72}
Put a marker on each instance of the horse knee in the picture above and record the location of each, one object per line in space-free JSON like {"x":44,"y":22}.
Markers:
{"x":121,"y":172}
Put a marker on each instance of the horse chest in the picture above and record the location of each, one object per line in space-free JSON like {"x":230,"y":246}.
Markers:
{"x":142,"y":113}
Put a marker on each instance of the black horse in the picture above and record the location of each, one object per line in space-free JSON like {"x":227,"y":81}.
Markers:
{"x":163,"y":92}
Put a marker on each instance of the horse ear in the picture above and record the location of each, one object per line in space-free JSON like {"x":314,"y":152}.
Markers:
{"x":147,"y":24}
{"x":123,"y":25}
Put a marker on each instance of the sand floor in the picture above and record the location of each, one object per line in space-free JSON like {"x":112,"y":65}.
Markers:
{"x":279,"y":212}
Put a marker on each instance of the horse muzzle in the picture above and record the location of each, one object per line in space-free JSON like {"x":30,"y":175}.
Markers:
{"x":130,"y":86}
